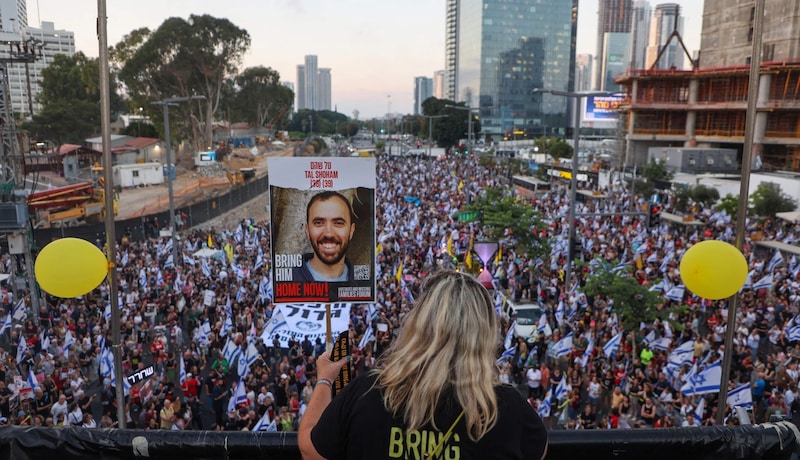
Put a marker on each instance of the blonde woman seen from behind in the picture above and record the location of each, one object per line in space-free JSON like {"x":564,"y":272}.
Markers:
{"x":434,"y":393}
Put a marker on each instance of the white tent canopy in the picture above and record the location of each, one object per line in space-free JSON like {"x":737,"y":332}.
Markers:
{"x":210,"y":253}
{"x":791,"y":216}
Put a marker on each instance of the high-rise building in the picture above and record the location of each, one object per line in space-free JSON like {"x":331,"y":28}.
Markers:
{"x":451,"y":49}
{"x":13,"y":15}
{"x":423,"y":89}
{"x":616,"y":48}
{"x":727,"y":35}
{"x":666,"y":18}
{"x":640,"y":32}
{"x":503,"y":51}
{"x":614,"y":17}
{"x":301,"y":87}
{"x":439,"y":83}
{"x":290,"y":85}
{"x":583,"y":72}
{"x":324,"y":89}
{"x":312,"y":80}
{"x":313,"y":85}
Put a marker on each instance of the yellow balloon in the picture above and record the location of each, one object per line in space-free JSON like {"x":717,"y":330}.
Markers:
{"x":70,"y":267}
{"x":713,"y":269}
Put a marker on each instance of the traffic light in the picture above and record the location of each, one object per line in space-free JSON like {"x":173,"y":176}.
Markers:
{"x":653,"y":213}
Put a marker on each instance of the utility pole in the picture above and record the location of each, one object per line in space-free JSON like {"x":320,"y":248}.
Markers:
{"x":430,"y":130}
{"x":573,"y":190}
{"x":165,"y":104}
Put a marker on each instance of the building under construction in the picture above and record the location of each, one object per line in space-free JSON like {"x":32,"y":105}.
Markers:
{"x":706,"y":108}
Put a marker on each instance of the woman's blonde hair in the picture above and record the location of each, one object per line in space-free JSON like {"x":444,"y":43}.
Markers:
{"x":445,"y":349}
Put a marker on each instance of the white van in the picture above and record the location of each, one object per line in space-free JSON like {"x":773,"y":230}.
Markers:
{"x":527,"y":316}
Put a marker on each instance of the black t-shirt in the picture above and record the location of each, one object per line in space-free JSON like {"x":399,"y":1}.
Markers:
{"x":356,"y":426}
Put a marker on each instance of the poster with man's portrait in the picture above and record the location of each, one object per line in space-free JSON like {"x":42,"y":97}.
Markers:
{"x":323,"y":229}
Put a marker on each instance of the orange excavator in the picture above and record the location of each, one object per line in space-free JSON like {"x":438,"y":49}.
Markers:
{"x":69,"y":205}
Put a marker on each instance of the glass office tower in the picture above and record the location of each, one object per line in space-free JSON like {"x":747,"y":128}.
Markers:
{"x":507,"y":48}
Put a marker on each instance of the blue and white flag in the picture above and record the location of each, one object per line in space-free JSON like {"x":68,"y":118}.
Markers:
{"x":748,"y":282}
{"x":265,"y":289}
{"x":676,"y":293}
{"x":18,"y":312}
{"x":706,"y":381}
{"x":776,"y":260}
{"x":561,"y":389}
{"x":661,"y":344}
{"x":564,"y":346}
{"x":239,"y":397}
{"x":369,"y":335}
{"x":372,"y":313}
{"x":205,"y":331}
{"x":792,"y":331}
{"x":227,"y":325}
{"x":763,"y":283}
{"x":34,"y":384}
{"x":683,"y":354}
{"x":259,"y":259}
{"x":700,"y":409}
{"x":276,"y":323}
{"x":543,"y":327}
{"x":21,"y":348}
{"x":649,"y":338}
{"x":231,"y":352}
{"x":544,"y":407}
{"x":665,"y":262}
{"x":560,"y":311}
{"x":169,"y":263}
{"x":620,"y":267}
{"x":6,"y":324}
{"x":610,"y":348}
{"x":182,"y":370}
{"x":741,"y":396}
{"x":506,"y":355}
{"x":263,"y":423}
{"x":658,"y":286}
{"x":204,"y":266}
{"x":509,"y":340}
{"x":188,"y":260}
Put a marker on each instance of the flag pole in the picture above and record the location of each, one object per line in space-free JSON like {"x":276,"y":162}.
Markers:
{"x":328,"y":332}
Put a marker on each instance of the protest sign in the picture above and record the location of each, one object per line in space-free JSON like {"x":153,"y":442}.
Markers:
{"x":323,"y":229}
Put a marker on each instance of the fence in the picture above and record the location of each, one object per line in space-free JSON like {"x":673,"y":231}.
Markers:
{"x":197,"y":214}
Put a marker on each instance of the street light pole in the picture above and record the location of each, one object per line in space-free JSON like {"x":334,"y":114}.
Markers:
{"x":165,"y":104}
{"x":573,"y":189}
{"x":430,"y":130}
{"x":469,"y":121}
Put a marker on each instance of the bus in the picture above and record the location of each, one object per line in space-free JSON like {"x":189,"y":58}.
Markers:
{"x":528,"y":187}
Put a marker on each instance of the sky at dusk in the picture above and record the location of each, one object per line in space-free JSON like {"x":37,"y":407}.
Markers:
{"x":374,"y":48}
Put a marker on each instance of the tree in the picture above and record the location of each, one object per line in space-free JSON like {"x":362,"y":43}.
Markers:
{"x":139,"y":129}
{"x":70,"y":98}
{"x":729,"y":204}
{"x":560,"y":149}
{"x":633,"y":302}
{"x":705,"y":195}
{"x":768,"y":199}
{"x":502,"y":216}
{"x":657,"y":171}
{"x":261,"y":99}
{"x":449,"y":130}
{"x":183,"y":58}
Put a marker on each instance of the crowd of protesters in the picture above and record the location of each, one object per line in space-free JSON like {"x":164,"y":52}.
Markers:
{"x":58,"y":377}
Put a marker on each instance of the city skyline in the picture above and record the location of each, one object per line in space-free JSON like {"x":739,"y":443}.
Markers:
{"x":374,"y":59}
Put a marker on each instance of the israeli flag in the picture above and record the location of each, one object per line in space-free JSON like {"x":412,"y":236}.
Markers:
{"x":227,"y":325}
{"x":239,"y":397}
{"x":263,"y":423}
{"x":676,"y":293}
{"x":369,"y":334}
{"x":44,"y":338}
{"x":704,"y":382}
{"x":560,"y":312}
{"x":106,"y":363}
{"x":34,"y":384}
{"x":169,"y":263}
{"x":657,"y":287}
{"x":142,"y":277}
{"x":682,"y":354}
{"x":237,"y":235}
{"x":510,"y":336}
{"x":6,"y":324}
{"x":18,"y":312}
{"x":372,"y":313}
{"x":259,"y":259}
{"x":182,"y":371}
{"x":544,"y":407}
{"x":188,"y":260}
{"x":610,"y":348}
{"x":506,"y":355}
{"x":205,"y":330}
{"x":124,"y":260}
{"x":700,"y":409}
{"x":231,"y":351}
{"x":665,"y":262}
{"x":661,"y":344}
{"x":276,"y":323}
{"x":240,"y":294}
{"x":265,"y":289}
{"x":763,"y":283}
{"x":776,"y":260}
{"x":561,"y":389}
{"x":748,"y":282}
{"x":543,"y":327}
{"x":204,"y":266}
{"x":793,"y":332}
{"x":21,"y":347}
{"x":741,"y":396}
{"x":564,"y":346}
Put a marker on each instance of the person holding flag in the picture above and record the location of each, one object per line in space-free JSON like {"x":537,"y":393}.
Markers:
{"x":449,"y":336}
